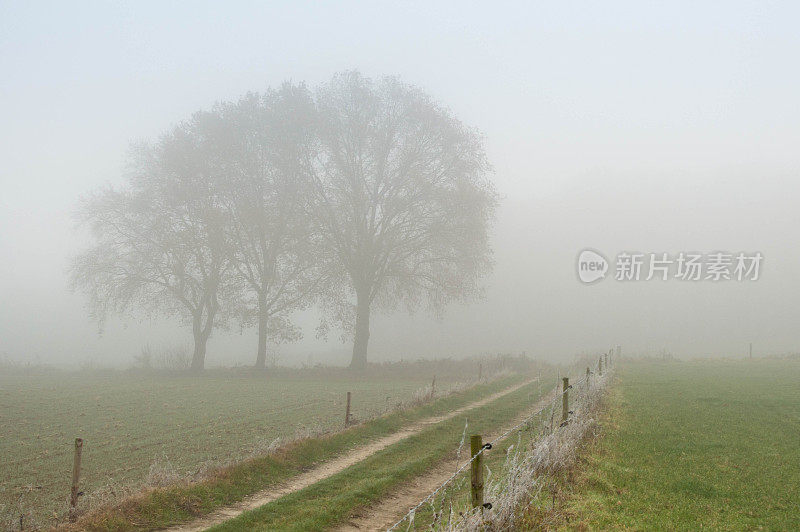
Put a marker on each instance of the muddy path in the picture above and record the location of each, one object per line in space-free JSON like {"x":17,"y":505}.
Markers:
{"x":332,"y":467}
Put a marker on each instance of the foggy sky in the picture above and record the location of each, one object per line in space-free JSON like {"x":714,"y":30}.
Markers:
{"x":617,"y":127}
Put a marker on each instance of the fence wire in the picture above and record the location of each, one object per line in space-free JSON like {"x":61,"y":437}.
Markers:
{"x":581,"y":389}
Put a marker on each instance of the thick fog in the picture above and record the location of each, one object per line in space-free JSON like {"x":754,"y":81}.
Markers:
{"x":621,"y":129}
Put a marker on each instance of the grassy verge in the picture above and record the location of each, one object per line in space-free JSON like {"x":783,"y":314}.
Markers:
{"x":166,"y":506}
{"x":331,"y":501}
{"x":692,"y":446}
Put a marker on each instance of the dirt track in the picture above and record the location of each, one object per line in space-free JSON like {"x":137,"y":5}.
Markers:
{"x":388,"y":510}
{"x":331,"y":467}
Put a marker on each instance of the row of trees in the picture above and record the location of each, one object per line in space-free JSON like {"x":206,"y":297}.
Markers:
{"x":357,"y":195}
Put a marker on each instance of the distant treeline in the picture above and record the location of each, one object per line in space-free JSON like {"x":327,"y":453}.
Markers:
{"x":353,"y":196}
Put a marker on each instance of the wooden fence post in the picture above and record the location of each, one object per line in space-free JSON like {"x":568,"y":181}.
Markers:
{"x":433,"y":387}
{"x":76,"y":475}
{"x":588,"y":373}
{"x":600,"y":366}
{"x":565,"y":400}
{"x":476,"y":444}
{"x":347,"y":412}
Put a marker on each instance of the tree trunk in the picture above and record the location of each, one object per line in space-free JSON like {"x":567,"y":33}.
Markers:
{"x":359,"y":359}
{"x":201,"y":334}
{"x":199,"y":355}
{"x":261,"y":356}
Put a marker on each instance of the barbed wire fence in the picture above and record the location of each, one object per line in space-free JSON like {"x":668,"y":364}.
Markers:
{"x":545,"y":443}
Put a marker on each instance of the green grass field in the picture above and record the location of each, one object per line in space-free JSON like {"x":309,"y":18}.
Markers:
{"x":129,"y":422}
{"x":696,"y":445}
{"x":685,"y":445}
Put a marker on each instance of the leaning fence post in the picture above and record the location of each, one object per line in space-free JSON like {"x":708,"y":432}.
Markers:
{"x":76,"y":475}
{"x":588,"y":373}
{"x":565,"y":400}
{"x":347,"y":412}
{"x":476,"y":444}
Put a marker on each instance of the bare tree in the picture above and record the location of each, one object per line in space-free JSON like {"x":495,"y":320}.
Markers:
{"x":160,"y":242}
{"x":273,"y":242}
{"x":401,"y":196}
